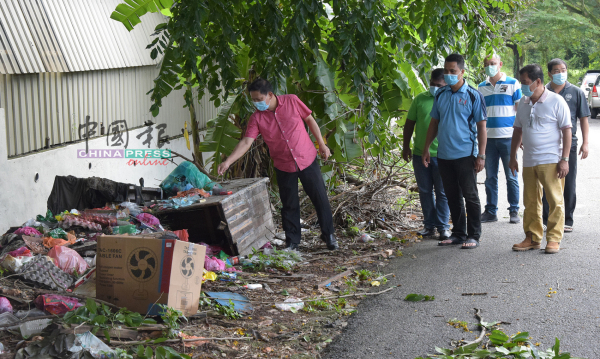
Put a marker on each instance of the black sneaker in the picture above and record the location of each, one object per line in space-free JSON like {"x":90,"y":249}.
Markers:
{"x":514,"y":217}
{"x":488,"y":217}
{"x":331,"y":242}
{"x":444,"y":234}
{"x":427,"y":232}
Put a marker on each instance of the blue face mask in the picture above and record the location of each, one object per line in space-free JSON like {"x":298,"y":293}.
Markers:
{"x":451,"y":79}
{"x":560,"y":78}
{"x":491,"y":71}
{"x":527,"y":90}
{"x":433,"y":90}
{"x":262,"y":105}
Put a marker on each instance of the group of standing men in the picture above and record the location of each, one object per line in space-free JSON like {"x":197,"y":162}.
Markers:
{"x":460,"y":130}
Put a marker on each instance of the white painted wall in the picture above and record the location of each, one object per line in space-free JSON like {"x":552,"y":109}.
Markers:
{"x":22,"y":198}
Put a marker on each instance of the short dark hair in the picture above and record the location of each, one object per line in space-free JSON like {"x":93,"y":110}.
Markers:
{"x":261,"y":85}
{"x":437,"y":74}
{"x":533,"y":71}
{"x":459,"y":59}
{"x":555,"y":62}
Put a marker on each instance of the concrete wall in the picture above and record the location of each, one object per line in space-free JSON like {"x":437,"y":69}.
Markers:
{"x":22,"y":198}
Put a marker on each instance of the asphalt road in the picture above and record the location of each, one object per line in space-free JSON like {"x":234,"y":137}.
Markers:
{"x":517,"y":284}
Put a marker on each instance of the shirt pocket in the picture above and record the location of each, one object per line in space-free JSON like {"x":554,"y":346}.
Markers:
{"x":544,"y":124}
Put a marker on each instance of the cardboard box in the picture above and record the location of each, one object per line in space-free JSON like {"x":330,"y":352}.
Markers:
{"x":138,"y":271}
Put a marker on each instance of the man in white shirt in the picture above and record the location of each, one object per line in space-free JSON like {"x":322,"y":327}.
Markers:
{"x":543,"y":125}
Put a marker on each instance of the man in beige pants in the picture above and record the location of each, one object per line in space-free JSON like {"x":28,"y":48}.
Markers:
{"x":543,"y":125}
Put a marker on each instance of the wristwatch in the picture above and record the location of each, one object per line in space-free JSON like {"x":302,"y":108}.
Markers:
{"x":566,"y":159}
{"x":481,"y":156}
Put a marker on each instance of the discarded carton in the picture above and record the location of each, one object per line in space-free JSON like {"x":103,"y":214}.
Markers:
{"x":137,"y":272}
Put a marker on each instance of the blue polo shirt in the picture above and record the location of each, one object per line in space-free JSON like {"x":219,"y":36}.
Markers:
{"x":458,"y":113}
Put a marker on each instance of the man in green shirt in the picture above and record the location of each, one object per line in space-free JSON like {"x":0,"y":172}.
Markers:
{"x":435,"y":207}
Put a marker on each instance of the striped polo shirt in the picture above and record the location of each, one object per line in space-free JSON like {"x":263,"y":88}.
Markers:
{"x":500,"y":103}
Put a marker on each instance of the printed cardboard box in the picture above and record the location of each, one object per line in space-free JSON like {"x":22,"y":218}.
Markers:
{"x":138,"y":271}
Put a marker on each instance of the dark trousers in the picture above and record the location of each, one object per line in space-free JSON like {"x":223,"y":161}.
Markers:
{"x":569,"y":194}
{"x":314,"y":186}
{"x":460,"y":181}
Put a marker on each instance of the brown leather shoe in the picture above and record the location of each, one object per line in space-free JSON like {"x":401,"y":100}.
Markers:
{"x":527,"y":244}
{"x":552,"y":247}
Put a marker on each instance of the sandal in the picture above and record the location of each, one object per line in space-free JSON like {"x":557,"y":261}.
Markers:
{"x":469,"y":241}
{"x":568,"y":229}
{"x":453,"y":241}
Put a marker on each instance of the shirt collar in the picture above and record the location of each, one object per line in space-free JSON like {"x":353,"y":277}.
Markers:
{"x":549,"y":86}
{"x":463,"y":88}
{"x":501,"y":79}
{"x":540,"y":100}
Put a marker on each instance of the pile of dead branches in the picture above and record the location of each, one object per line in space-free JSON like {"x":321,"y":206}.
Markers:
{"x":374,"y":194}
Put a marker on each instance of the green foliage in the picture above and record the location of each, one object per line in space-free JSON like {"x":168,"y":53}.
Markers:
{"x":228,"y":310}
{"x":364,"y":274}
{"x":158,"y":353}
{"x":101,"y":317}
{"x":171,"y":317}
{"x":279,"y":259}
{"x":419,"y":297}
{"x":517,"y":346}
{"x":356,"y":64}
{"x":353,"y":231}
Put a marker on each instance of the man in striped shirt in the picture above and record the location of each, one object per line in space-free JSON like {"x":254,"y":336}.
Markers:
{"x":501,"y":95}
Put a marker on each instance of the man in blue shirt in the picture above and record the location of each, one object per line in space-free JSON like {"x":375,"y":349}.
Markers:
{"x":458,"y":120}
{"x":501,"y":94}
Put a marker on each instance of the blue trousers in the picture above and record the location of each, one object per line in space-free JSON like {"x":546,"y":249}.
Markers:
{"x":499,"y":149}
{"x":431,"y":194}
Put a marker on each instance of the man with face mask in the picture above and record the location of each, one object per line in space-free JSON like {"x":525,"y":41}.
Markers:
{"x":281,"y":120}
{"x":543,"y":125}
{"x":501,"y":93}
{"x":435,"y":208}
{"x":579,"y":109}
{"x":459,"y":113}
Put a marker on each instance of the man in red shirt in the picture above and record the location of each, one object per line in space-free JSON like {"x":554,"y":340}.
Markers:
{"x":281,"y":120}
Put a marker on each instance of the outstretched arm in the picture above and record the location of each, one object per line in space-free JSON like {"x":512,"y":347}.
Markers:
{"x":242,"y":147}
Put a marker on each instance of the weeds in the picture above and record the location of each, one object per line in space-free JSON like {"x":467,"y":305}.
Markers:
{"x":364,"y":274}
{"x":170,"y":317}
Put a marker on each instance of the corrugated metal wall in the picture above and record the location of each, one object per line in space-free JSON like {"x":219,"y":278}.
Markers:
{"x":70,"y":35}
{"x":53,"y":105}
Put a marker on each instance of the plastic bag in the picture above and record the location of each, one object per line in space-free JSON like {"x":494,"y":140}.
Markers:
{"x":183,"y":235}
{"x":186,"y":173}
{"x":28,"y":231}
{"x":58,"y":233}
{"x":56,"y":304}
{"x":21,"y":252}
{"x":95,"y":346}
{"x":5,"y":305}
{"x":133,"y":208}
{"x":50,"y":242}
{"x":148,"y":219}
{"x":13,"y":264}
{"x":213,"y":264}
{"x":128,"y":229}
{"x":290,"y":304}
{"x":49,"y":217}
{"x":68,"y":260}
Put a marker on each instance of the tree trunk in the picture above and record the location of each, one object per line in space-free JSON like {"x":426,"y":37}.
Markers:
{"x":195,"y":131}
{"x":517,"y":60}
